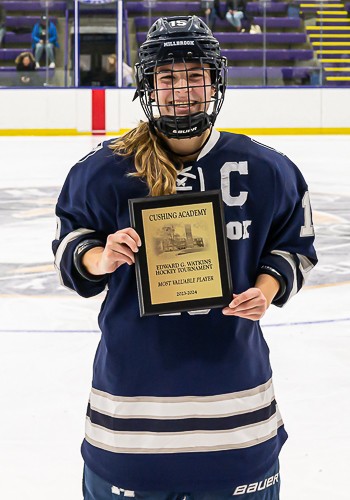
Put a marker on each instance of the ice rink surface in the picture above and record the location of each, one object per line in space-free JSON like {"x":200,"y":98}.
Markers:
{"x":48,"y":335}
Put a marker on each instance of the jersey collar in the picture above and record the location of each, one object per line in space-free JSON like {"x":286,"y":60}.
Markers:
{"x":213,"y":139}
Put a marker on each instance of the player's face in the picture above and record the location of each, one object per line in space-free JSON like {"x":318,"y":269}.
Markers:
{"x":182,"y":88}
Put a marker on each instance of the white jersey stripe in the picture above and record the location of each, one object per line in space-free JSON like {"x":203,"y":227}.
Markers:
{"x":179,"y":442}
{"x":183,"y":407}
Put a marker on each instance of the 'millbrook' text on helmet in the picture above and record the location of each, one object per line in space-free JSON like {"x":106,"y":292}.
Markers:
{"x":178,"y":42}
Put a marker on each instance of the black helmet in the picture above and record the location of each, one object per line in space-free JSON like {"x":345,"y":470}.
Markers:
{"x":184,"y":39}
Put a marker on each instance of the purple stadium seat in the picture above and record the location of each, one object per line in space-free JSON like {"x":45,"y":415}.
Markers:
{"x":278,"y":22}
{"x":271,"y":54}
{"x":12,"y":69}
{"x":26,"y":5}
{"x":271,"y":72}
{"x":28,"y":22}
{"x":136,"y":7}
{"x":271,"y":7}
{"x":239,"y":38}
{"x":24,"y":38}
{"x":11,"y":54}
{"x":271,"y":22}
{"x":246,"y":38}
{"x":180,"y":7}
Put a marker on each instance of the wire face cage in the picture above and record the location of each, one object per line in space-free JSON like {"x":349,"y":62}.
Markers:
{"x":181,"y":77}
{"x":183,"y":98}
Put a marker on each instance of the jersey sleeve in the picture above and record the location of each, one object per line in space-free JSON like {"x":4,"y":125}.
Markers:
{"x":77,"y":221}
{"x":289,"y":250}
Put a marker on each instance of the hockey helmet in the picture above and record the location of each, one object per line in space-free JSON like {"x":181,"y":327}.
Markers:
{"x":180,"y":39}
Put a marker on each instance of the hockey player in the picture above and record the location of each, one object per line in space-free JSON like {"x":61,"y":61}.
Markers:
{"x":182,"y":406}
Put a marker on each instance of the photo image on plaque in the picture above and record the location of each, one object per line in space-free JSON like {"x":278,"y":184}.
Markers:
{"x":182,"y":263}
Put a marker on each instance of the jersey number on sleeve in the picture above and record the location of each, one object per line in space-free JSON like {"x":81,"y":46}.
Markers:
{"x":307,"y":229}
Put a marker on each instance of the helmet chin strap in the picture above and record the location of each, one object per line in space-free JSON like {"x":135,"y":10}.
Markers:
{"x":155,"y":131}
{"x":183,"y":127}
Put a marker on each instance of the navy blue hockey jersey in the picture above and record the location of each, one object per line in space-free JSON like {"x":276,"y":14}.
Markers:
{"x":186,"y":401}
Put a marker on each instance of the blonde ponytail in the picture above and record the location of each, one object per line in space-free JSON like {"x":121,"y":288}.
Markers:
{"x":153,"y":162}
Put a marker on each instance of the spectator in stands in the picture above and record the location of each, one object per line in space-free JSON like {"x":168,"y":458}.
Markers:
{"x":236,"y":12}
{"x":44,"y":37}
{"x":2,"y":23}
{"x":293,"y":9}
{"x":26,"y":70}
{"x":110,"y":73}
{"x":212,"y":13}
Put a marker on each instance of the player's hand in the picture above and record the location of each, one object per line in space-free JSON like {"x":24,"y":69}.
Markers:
{"x":251,"y":304}
{"x":120,"y":249}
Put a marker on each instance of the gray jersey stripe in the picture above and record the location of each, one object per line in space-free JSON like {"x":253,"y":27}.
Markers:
{"x":184,"y":399}
{"x":288,"y":257}
{"x":63,"y":245}
{"x":305,"y":266}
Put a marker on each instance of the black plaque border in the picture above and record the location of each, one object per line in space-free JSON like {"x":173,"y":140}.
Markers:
{"x":136,"y":206}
